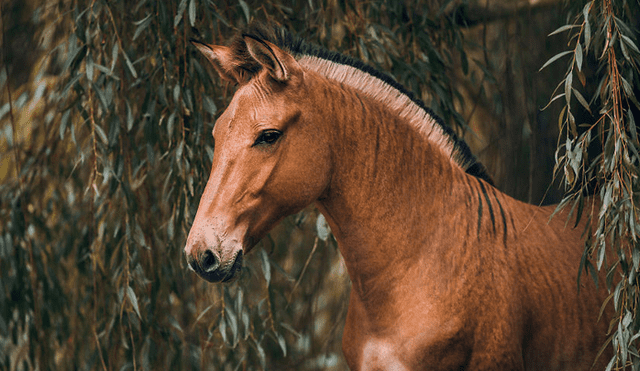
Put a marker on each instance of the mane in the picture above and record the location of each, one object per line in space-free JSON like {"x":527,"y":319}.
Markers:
{"x":360,"y":75}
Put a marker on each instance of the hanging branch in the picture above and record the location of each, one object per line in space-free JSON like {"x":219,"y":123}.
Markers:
{"x":600,"y":34}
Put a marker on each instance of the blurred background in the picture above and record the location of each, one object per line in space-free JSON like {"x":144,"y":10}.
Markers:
{"x":106,"y":112}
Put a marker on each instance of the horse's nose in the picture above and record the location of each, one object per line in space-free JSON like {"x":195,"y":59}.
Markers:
{"x":213,"y":259}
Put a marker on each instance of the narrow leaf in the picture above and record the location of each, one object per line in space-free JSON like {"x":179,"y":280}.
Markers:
{"x":178,"y":17}
{"x":114,"y":56}
{"x":627,"y":40}
{"x":586,"y":9}
{"x":4,"y":109}
{"x":89,"y":67}
{"x":246,"y":322}
{"x":601,"y":254}
{"x":580,"y":210}
{"x":129,"y":117}
{"x":611,"y":363}
{"x":192,"y":12}
{"x":626,"y":86}
{"x":288,"y":327}
{"x":572,"y":123}
{"x":245,"y":9}
{"x":138,"y":23}
{"x":101,"y":97}
{"x":142,"y":25}
{"x":587,"y":34}
{"x":561,"y":118}
{"x":261,"y":355}
{"x":625,"y":53}
{"x":282,"y":343}
{"x":555,"y":58}
{"x":105,"y":70}
{"x":101,"y":134}
{"x":223,"y":329}
{"x":233,"y":323}
{"x":129,"y":64}
{"x":74,"y":52}
{"x":209,"y":105}
{"x":563,"y":28}
{"x":176,"y":93}
{"x":138,"y":182}
{"x":583,"y":262}
{"x":239,"y":301}
{"x":582,"y":78}
{"x":139,"y":236}
{"x":632,"y":126}
{"x":266,"y":266}
{"x":170,"y":123}
{"x":567,"y":87}
{"x":179,"y":150}
{"x":579,"y":56}
{"x":64,"y":121}
{"x":322,"y":228}
{"x":581,"y":99}
{"x":569,"y":174}
{"x":171,"y":227}
{"x":133,"y":300}
{"x":553,"y":99}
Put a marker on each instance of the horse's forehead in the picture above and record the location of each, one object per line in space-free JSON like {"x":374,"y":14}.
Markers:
{"x":251,"y":104}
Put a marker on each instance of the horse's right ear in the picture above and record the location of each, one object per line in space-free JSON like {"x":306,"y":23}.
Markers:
{"x":222,"y":60}
{"x":280,"y":65}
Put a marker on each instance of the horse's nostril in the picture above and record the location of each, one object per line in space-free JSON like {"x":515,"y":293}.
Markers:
{"x":193,"y":264}
{"x":209,"y":261}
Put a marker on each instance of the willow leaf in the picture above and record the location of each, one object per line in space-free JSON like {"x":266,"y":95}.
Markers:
{"x":581,"y":99}
{"x":578,"y":55}
{"x":555,"y":58}
{"x":563,"y":28}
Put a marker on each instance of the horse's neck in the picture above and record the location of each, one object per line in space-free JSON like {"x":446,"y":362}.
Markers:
{"x":388,"y":196}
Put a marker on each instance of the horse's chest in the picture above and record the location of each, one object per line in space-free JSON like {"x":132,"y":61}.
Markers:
{"x":381,"y":355}
{"x":415,"y":338}
{"x":423,"y":348}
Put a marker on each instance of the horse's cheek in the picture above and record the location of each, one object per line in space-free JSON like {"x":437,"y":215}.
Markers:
{"x":303,"y":179}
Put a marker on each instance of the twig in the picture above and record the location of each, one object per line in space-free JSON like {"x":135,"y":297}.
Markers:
{"x":306,"y":264}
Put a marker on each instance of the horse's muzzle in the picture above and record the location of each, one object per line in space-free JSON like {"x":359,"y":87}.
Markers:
{"x":207,"y":265}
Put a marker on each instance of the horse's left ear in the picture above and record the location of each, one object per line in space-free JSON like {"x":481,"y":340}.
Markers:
{"x":222,"y":60}
{"x":280,"y":65}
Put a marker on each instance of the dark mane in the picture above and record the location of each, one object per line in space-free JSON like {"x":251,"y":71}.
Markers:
{"x":298,"y":48}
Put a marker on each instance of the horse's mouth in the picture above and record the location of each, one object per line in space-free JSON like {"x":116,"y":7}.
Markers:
{"x":235,"y":268}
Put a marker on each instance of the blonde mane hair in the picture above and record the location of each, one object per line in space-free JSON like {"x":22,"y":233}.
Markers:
{"x":369,"y":81}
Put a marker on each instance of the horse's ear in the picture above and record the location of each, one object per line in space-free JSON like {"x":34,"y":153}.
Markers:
{"x":222,"y":60}
{"x":280,"y":65}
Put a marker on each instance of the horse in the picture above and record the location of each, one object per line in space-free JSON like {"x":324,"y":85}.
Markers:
{"x":447,"y":272}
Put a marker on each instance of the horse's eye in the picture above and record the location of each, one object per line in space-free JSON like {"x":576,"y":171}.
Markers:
{"x":268,"y":137}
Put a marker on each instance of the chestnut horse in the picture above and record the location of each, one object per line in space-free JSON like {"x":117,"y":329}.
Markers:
{"x":448,"y":273}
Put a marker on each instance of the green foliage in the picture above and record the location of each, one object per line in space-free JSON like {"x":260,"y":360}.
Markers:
{"x":105,"y":153}
{"x":601,"y":154}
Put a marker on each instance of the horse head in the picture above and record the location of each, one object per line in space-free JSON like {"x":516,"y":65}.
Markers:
{"x":270,"y":157}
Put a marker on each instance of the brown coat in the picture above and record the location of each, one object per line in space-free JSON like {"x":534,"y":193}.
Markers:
{"x":448,"y":272}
